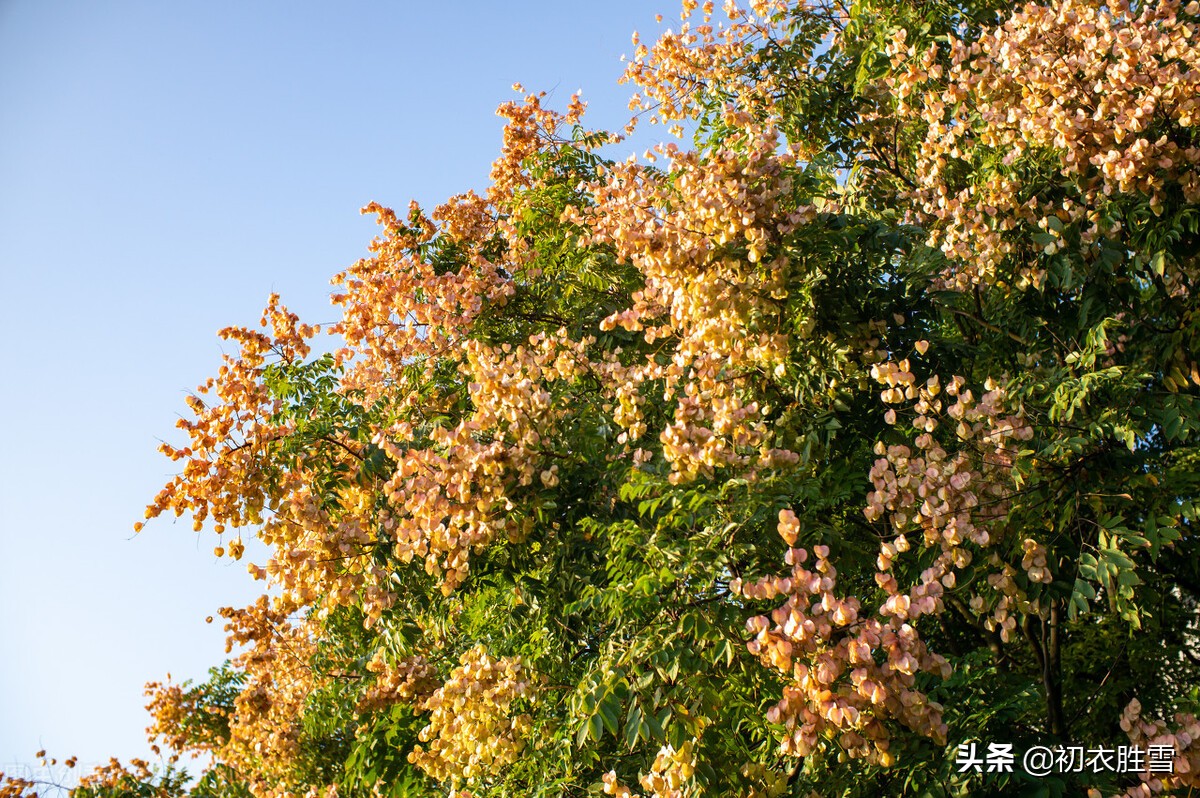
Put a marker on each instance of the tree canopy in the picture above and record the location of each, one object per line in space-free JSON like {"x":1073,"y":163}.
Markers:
{"x":857,"y":426}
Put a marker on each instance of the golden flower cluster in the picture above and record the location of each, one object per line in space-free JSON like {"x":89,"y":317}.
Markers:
{"x":852,"y":671}
{"x":675,"y":73}
{"x":116,"y":776}
{"x":1183,"y":741}
{"x":17,"y":786}
{"x":231,"y":478}
{"x":222,"y":475}
{"x":264,"y":726}
{"x":951,"y":499}
{"x":707,"y":240}
{"x":453,"y":496}
{"x":410,"y":681}
{"x":472,"y":730}
{"x":669,"y":777}
{"x":829,"y":651}
{"x":1109,"y":91}
{"x":172,"y":709}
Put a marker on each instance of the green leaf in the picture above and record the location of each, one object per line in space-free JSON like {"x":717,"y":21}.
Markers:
{"x":610,"y":713}
{"x":633,"y":725}
{"x":1158,"y":263}
{"x":595,"y":726}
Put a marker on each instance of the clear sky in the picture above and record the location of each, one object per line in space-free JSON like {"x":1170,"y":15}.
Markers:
{"x":164,"y":166}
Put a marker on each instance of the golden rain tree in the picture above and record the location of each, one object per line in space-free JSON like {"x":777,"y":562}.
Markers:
{"x":780,"y":463}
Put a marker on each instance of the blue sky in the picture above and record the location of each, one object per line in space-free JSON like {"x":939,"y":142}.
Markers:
{"x":163,"y":168}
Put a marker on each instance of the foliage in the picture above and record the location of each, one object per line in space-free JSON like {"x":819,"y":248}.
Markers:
{"x":778,"y":465}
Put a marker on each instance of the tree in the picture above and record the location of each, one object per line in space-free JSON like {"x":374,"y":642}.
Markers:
{"x":783,"y":464}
